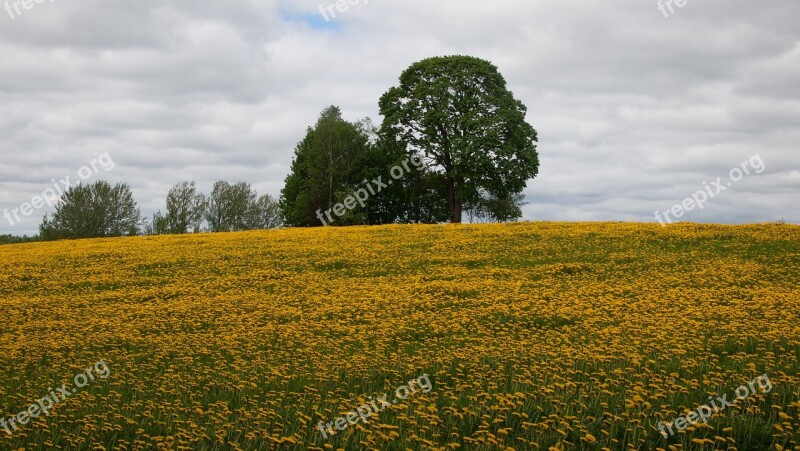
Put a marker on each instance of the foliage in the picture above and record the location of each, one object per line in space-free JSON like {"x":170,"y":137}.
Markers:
{"x":11,"y":239}
{"x":324,"y":169}
{"x":265,"y":214}
{"x":458,"y":112}
{"x":489,"y":208}
{"x":185,"y":208}
{"x":237,"y":207}
{"x":158,"y":225}
{"x":93,"y":211}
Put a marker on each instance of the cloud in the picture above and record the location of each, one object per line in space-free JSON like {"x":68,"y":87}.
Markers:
{"x":634,"y":110}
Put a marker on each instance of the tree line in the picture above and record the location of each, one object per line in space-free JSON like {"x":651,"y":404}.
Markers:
{"x":99,"y":210}
{"x":454,"y":114}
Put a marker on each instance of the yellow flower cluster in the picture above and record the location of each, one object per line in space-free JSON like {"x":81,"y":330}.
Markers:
{"x":535,"y":336}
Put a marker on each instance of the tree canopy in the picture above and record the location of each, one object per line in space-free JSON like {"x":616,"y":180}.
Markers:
{"x":459,"y":114}
{"x":324,"y":169}
{"x":185,"y":207}
{"x":237,"y":207}
{"x":96,"y":210}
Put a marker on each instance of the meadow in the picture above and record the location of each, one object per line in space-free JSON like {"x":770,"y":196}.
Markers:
{"x":533,"y":336}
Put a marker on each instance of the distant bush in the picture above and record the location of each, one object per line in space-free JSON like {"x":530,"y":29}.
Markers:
{"x":93,"y":211}
{"x":11,"y":239}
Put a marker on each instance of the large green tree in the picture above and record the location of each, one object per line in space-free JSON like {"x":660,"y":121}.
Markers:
{"x":324,"y":170}
{"x":459,"y":114}
{"x":93,"y":211}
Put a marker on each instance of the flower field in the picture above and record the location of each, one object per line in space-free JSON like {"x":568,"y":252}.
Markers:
{"x":534,"y":336}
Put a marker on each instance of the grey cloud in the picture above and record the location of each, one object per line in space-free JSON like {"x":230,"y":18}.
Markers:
{"x":634,"y":110}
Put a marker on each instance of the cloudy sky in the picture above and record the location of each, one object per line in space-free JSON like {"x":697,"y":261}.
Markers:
{"x":635,"y":110}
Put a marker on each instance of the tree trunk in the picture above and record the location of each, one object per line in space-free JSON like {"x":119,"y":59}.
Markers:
{"x":459,"y":208}
{"x":330,"y":176}
{"x":454,"y":202}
